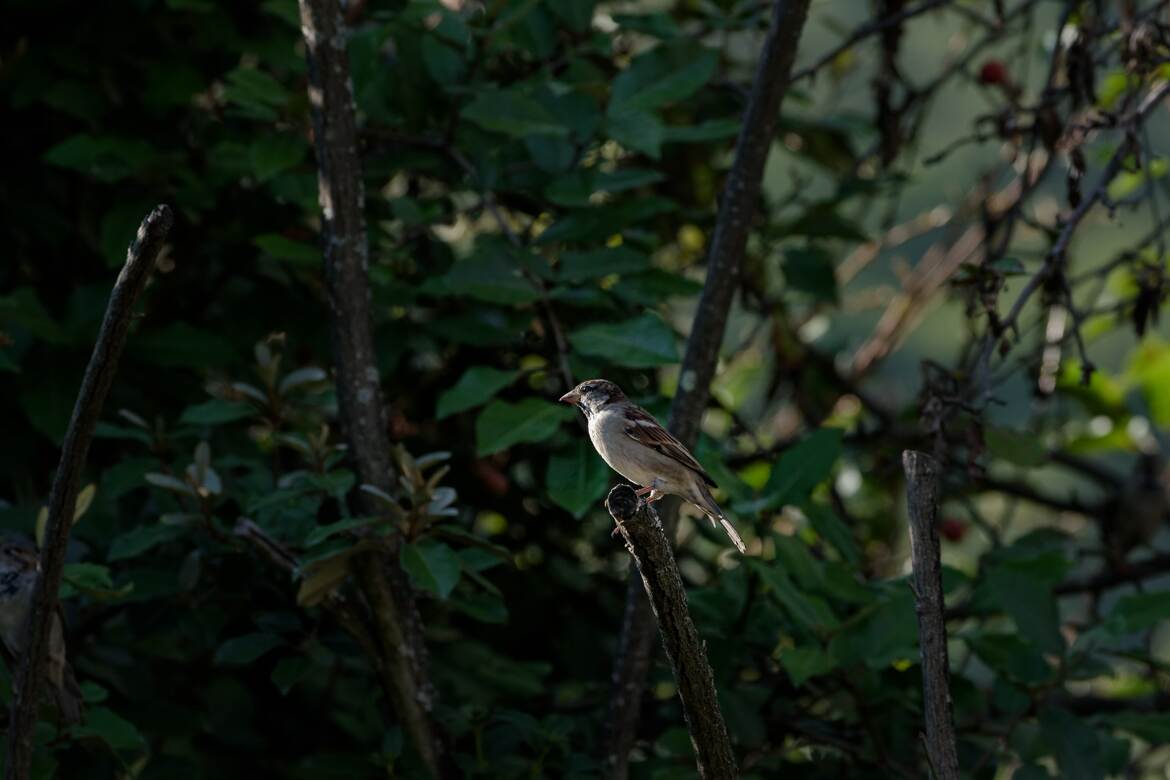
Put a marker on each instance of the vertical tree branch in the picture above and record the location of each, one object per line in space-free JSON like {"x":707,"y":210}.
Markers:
{"x":654,"y":556}
{"x":403,"y":665}
{"x":737,"y":209}
{"x":922,"y":502}
{"x":95,"y":386}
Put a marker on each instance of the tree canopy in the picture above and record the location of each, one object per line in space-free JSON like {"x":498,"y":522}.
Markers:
{"x":958,"y":246}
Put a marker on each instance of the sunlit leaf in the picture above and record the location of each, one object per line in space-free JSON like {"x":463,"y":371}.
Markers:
{"x":501,"y":424}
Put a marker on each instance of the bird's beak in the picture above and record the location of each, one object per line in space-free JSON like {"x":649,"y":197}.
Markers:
{"x":571,"y":397}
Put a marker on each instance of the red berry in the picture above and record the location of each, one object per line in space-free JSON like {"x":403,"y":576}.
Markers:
{"x":993,"y":72}
{"x":952,"y":529}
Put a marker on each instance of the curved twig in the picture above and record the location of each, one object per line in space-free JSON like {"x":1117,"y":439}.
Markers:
{"x":95,"y":386}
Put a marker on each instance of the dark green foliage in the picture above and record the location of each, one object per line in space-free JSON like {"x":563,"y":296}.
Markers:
{"x":541,"y":189}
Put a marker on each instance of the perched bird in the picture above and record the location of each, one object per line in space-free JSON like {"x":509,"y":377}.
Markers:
{"x":19,"y":569}
{"x":637,"y":447}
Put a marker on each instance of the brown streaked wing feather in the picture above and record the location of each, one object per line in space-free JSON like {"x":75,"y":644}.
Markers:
{"x":645,"y":430}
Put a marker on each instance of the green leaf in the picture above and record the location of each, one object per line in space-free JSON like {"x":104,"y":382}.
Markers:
{"x":1010,"y":655}
{"x":810,"y":612}
{"x":880,"y":634}
{"x":433,"y":567}
{"x":21,"y":308}
{"x":643,"y":342}
{"x":477,"y":385}
{"x":1150,"y":369}
{"x":576,"y":187}
{"x":1074,"y":744}
{"x":799,"y":469}
{"x":215,"y":411}
{"x":1138,"y":612}
{"x":491,"y":275}
{"x":119,"y":734}
{"x":578,"y":266}
{"x":709,"y":130}
{"x":501,"y":424}
{"x":104,"y":158}
{"x":321,"y":533}
{"x":810,"y":270}
{"x":831,"y":528}
{"x":1152,"y":727}
{"x":271,"y":154}
{"x":513,"y":114}
{"x":255,"y":93}
{"x":88,"y":576}
{"x":576,"y":15}
{"x":824,"y":221}
{"x":444,"y":64}
{"x":1018,"y":447}
{"x":1020,"y":582}
{"x":183,"y":346}
{"x":481,"y":606}
{"x":139,"y":540}
{"x":577,"y":478}
{"x":589,"y":223}
{"x":805,"y":662}
{"x":666,"y":74}
{"x":295,"y":253}
{"x":243,"y":650}
{"x":288,"y":672}
{"x":641,"y":131}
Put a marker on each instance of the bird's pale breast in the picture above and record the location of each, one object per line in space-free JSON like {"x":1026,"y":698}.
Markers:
{"x":634,"y":461}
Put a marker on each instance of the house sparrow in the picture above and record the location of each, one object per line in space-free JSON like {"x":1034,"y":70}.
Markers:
{"x":19,"y":568}
{"x":637,"y":447}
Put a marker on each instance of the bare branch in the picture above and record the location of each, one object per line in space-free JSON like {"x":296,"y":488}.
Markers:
{"x":737,"y":209}
{"x":653,"y":554}
{"x":95,"y":386}
{"x":359,"y":391}
{"x":922,"y":492}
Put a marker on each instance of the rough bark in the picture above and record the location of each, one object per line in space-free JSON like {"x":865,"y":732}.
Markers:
{"x":95,"y":386}
{"x":922,"y":502}
{"x":653,"y":554}
{"x":737,"y":209}
{"x":341,"y":193}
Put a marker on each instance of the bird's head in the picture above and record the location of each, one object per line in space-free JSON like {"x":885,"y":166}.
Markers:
{"x":19,"y":555}
{"x":592,"y":394}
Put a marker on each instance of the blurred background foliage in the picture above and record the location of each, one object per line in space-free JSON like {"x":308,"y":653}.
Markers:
{"x":542,"y":180}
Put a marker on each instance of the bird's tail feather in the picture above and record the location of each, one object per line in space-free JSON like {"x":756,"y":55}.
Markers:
{"x":715,"y":515}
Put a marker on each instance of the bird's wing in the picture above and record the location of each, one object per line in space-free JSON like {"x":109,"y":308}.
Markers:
{"x":645,"y":430}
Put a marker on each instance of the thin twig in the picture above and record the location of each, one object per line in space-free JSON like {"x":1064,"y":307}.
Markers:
{"x":95,"y":386}
{"x":865,"y":30}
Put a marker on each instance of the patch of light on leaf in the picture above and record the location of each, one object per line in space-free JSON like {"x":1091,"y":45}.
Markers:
{"x":490,"y":523}
{"x":543,"y":220}
{"x":848,"y":481}
{"x":1139,"y":431}
{"x":665,"y":690}
{"x":813,"y":329}
{"x":614,"y":241}
{"x":1100,"y":426}
{"x":691,"y":238}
